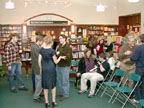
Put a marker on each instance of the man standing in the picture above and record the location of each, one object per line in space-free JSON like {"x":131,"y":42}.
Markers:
{"x":126,"y":52}
{"x":13,"y":62}
{"x":138,"y":56}
{"x":63,"y":67}
{"x":35,"y":53}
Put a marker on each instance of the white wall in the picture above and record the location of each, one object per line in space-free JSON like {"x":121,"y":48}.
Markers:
{"x":125,"y":8}
{"x":81,"y":12}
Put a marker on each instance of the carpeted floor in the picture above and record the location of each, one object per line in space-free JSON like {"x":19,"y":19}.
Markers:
{"x":23,"y":99}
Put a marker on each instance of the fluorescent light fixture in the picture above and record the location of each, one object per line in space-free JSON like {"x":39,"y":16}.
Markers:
{"x":9,"y":5}
{"x":100,"y":8}
{"x":133,"y":1}
{"x":24,"y":29}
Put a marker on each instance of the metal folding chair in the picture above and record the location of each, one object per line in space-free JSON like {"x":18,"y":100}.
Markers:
{"x":124,"y":92}
{"x":100,"y":83}
{"x":114,"y":82}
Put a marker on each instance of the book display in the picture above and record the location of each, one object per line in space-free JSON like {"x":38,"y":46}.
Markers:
{"x":103,"y":30}
{"x":78,"y":50}
{"x":5,"y":31}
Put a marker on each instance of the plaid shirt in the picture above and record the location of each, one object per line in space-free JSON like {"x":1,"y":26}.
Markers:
{"x":11,"y":53}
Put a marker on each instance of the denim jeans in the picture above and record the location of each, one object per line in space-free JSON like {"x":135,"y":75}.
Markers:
{"x":63,"y":80}
{"x":33,"y":80}
{"x":138,"y":94}
{"x":16,"y":68}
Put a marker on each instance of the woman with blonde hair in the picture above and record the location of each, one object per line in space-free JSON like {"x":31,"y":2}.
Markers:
{"x":48,"y":69}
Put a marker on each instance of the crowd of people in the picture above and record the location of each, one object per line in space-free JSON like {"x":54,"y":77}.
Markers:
{"x":53,"y":65}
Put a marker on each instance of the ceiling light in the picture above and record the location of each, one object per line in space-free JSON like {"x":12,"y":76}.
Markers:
{"x":133,"y":1}
{"x":100,"y":7}
{"x":9,"y":5}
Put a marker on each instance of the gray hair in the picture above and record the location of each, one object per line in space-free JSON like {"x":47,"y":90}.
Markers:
{"x":130,"y":36}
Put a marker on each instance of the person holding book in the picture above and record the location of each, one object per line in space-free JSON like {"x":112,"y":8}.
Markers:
{"x":94,"y":75}
{"x":99,"y":47}
{"x":47,"y":60}
{"x":86,"y":63}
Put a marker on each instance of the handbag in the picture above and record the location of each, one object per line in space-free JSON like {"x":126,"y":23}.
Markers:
{"x":78,"y":83}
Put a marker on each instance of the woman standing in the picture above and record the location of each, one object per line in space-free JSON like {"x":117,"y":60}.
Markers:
{"x":48,"y":70}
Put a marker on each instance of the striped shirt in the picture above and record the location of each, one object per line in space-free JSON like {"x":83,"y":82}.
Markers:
{"x":11,"y":53}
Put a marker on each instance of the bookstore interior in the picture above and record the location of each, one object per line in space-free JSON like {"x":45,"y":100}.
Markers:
{"x":77,"y":28}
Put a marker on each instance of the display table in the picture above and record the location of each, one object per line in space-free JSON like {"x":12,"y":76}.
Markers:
{"x":26,"y":63}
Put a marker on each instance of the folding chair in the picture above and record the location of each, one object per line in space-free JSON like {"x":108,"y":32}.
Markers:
{"x":109,"y":89}
{"x":125,"y":92}
{"x":100,"y":83}
{"x":75,"y":64}
{"x":142,"y":102}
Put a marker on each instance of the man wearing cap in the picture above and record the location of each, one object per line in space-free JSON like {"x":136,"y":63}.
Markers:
{"x":13,"y":62}
{"x":63,"y":67}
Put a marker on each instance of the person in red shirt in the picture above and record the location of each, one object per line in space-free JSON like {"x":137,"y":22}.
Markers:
{"x":99,"y":47}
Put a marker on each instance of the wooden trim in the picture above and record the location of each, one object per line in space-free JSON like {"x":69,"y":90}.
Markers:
{"x":48,"y":14}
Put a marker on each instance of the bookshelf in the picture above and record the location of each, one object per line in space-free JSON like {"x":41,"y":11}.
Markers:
{"x":103,"y":30}
{"x":5,"y":31}
{"x":78,"y":50}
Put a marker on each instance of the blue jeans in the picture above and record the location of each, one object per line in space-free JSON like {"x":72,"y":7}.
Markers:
{"x":33,"y":80}
{"x":63,"y":80}
{"x":138,"y":94}
{"x":16,"y":68}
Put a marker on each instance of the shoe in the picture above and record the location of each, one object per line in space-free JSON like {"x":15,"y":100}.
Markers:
{"x":59,"y":95}
{"x":32,"y":91}
{"x":134,"y":101}
{"x":39,"y":100}
{"x":47,"y":105}
{"x":54,"y":104}
{"x":82,"y":91}
{"x":63,"y":98}
{"x":90,"y":95}
{"x":14,"y":90}
{"x":23,"y":88}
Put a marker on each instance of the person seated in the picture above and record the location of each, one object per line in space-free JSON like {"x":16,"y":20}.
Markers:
{"x":95,"y":75}
{"x":85,"y":64}
{"x":111,"y":60}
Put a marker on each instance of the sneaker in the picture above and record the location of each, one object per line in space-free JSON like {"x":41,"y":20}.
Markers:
{"x":14,"y":90}
{"x":23,"y":88}
{"x":82,"y":91}
{"x":39,"y":100}
{"x":135,"y":101}
{"x":90,"y":95}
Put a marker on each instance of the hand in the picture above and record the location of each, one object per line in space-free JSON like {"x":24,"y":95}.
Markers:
{"x":9,"y":68}
{"x":126,"y":60}
{"x":63,"y":57}
{"x":40,"y":73}
{"x":128,"y":52}
{"x":99,"y":62}
{"x":57,"y":52}
{"x":78,"y":74}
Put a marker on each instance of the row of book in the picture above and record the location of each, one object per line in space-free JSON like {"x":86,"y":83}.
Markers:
{"x":78,"y":55}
